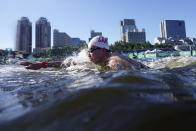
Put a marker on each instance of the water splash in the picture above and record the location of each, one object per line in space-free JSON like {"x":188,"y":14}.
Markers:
{"x":170,"y":62}
{"x":79,"y":62}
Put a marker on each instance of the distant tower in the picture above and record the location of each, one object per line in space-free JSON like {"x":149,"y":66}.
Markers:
{"x":24,"y":35}
{"x":43,"y":34}
{"x":130,"y":33}
{"x":173,"y":28}
{"x":127,"y":25}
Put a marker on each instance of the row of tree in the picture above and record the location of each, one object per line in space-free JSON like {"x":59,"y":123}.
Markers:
{"x":3,"y":53}
{"x":117,"y":46}
{"x":122,"y":46}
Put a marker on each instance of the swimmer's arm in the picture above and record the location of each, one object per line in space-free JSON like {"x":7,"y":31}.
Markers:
{"x":59,"y":64}
{"x":36,"y":66}
{"x":125,"y":58}
{"x":25,"y":63}
{"x":54,"y":64}
{"x":134,"y":62}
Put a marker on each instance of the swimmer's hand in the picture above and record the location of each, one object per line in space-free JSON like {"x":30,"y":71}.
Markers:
{"x":34,"y":66}
{"x":31,"y":65}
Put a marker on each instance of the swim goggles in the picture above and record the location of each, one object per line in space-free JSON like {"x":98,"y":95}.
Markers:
{"x":91,"y":50}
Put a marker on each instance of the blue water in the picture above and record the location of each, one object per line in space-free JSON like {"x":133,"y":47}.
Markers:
{"x":85,"y":97}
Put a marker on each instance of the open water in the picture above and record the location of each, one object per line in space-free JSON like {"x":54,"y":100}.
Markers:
{"x":87,"y":98}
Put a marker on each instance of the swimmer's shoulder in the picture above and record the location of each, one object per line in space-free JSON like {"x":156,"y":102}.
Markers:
{"x":117,"y":63}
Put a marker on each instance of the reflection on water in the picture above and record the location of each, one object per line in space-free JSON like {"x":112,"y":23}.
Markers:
{"x":83,"y":97}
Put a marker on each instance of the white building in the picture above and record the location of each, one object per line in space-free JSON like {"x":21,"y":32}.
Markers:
{"x":175,"y":41}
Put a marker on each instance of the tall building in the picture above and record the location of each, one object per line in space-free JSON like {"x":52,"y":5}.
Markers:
{"x":61,"y":39}
{"x":130,"y":33}
{"x":173,"y":29}
{"x":24,"y":35}
{"x":125,"y":26}
{"x":43,"y":34}
{"x":93,"y":34}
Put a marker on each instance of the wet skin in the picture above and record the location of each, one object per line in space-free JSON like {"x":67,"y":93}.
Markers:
{"x":98,"y":56}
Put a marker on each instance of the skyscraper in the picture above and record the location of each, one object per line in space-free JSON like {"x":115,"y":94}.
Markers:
{"x":43,"y":34}
{"x":24,"y":35}
{"x":126,"y":25}
{"x":173,"y":29}
{"x":61,"y":39}
{"x":130,"y":33}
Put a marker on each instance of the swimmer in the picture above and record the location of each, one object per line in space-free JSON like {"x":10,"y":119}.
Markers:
{"x":98,"y":53}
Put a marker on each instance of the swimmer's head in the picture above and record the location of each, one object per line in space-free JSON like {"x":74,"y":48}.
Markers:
{"x":98,"y":50}
{"x":99,"y":41}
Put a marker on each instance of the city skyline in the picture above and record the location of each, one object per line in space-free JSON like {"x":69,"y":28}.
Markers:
{"x":78,"y":18}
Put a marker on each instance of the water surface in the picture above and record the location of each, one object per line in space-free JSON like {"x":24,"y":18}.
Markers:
{"x":84,"y":97}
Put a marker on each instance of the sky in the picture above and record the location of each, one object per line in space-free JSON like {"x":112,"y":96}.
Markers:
{"x":78,"y":17}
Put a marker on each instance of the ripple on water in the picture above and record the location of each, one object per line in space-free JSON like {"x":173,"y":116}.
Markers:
{"x":76,"y":96}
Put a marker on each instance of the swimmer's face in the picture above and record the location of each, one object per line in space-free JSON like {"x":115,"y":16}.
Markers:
{"x":96,"y":54}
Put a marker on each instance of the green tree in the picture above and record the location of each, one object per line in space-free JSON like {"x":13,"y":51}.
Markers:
{"x":119,"y":45}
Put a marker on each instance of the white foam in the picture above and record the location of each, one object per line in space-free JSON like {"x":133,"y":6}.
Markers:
{"x":79,"y":61}
{"x":170,"y":62}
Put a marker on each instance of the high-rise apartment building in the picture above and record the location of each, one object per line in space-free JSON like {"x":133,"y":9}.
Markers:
{"x":24,"y":35}
{"x":126,"y":25}
{"x":173,"y":29}
{"x":93,"y":34}
{"x":42,"y":34}
{"x":61,"y":39}
{"x":130,"y":33}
